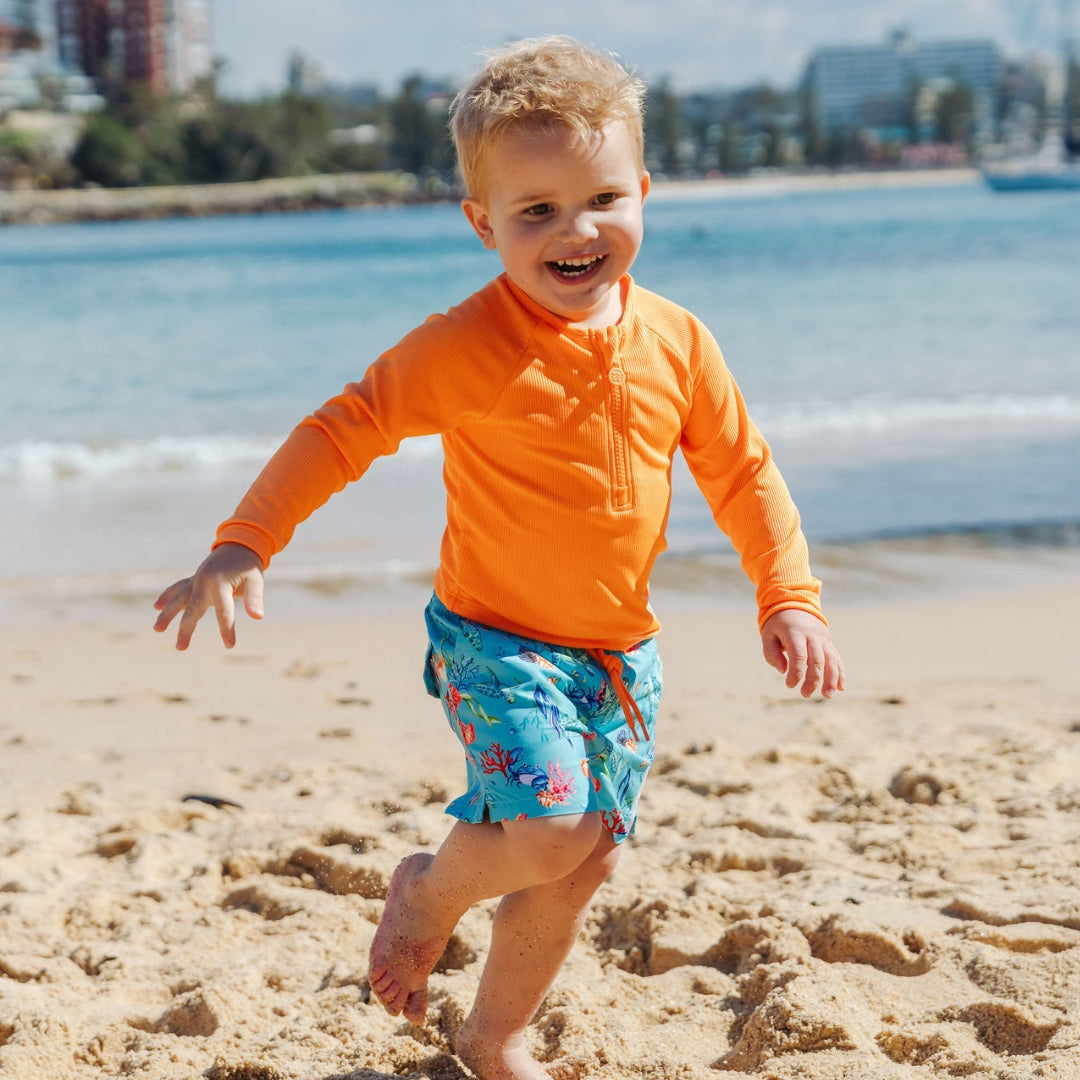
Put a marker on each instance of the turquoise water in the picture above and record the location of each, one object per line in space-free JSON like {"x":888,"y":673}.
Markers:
{"x":912,"y":354}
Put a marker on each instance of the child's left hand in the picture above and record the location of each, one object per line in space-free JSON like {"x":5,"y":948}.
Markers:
{"x":800,"y":646}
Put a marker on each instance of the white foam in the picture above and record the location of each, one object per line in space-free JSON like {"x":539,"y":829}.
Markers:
{"x":44,"y":462}
{"x":976,"y":415}
{"x":872,"y":419}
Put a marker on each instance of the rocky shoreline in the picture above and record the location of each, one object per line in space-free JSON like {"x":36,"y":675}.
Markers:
{"x":335,"y":191}
{"x":257,"y":197}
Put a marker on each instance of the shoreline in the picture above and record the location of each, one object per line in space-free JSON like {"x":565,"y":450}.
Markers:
{"x":282,"y":195}
{"x":341,"y":191}
{"x":884,"y":572}
{"x":783,"y":183}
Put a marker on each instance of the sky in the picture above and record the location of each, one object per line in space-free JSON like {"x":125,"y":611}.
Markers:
{"x":696,"y":44}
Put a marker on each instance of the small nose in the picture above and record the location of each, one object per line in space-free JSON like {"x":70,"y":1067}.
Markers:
{"x":580,"y":226}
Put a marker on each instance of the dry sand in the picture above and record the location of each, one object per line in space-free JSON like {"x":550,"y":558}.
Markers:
{"x":885,"y":886}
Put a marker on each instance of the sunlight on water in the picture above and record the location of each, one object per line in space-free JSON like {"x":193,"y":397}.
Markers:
{"x":913,"y":356}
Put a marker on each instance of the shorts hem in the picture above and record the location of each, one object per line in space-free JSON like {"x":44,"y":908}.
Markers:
{"x":471,"y":812}
{"x":474,"y":812}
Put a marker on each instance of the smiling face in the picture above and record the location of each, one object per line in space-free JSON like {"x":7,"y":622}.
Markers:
{"x":564,"y":214}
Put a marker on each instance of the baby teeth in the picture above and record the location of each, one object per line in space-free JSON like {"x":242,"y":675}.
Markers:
{"x":577,"y":266}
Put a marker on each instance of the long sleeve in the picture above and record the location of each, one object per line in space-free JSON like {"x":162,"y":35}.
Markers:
{"x":447,"y":372}
{"x":733,"y":465}
{"x":558,"y":444}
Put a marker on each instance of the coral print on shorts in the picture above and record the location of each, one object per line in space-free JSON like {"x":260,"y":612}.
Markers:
{"x":543,"y":729}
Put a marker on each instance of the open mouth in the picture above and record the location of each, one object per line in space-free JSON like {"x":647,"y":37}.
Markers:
{"x":572,"y":269}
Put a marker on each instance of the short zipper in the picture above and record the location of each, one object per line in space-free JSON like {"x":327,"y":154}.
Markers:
{"x":620,"y":436}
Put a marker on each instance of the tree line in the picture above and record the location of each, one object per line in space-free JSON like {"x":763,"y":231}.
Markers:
{"x":138,"y":139}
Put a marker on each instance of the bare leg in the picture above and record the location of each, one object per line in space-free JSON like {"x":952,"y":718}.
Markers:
{"x":534,"y":930}
{"x":429,"y":893}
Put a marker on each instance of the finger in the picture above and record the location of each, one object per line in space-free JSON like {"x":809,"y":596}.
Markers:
{"x":816,"y":663}
{"x":833,"y":675}
{"x":171,"y":593}
{"x":193,"y":612}
{"x":815,"y":676}
{"x":796,"y":659}
{"x":839,"y":680}
{"x":225,"y":610}
{"x":253,"y":596}
{"x":170,"y":603}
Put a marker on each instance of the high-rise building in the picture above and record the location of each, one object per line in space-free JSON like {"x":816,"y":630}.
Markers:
{"x":29,"y":24}
{"x":9,"y":35}
{"x":188,"y":52}
{"x":29,"y":61}
{"x":871,"y":85}
{"x":164,"y":44}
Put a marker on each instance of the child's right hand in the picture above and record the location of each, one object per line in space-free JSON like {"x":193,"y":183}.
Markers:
{"x":228,"y":571}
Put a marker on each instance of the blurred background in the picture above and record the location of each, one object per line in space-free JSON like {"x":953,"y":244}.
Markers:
{"x":126,"y":92}
{"x":838,"y":196}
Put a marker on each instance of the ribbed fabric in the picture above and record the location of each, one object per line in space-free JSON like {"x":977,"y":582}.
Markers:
{"x":558,"y":445}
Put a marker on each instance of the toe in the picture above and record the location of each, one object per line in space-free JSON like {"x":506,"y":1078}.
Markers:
{"x":416,"y":1006}
{"x":394,"y":1002}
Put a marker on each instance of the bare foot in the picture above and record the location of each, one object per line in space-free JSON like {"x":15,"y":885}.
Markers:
{"x":490,"y":1060}
{"x":408,"y":943}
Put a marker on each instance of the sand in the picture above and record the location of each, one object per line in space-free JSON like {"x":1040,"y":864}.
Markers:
{"x":883,"y":886}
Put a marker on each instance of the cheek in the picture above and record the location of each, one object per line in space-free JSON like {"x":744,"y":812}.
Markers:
{"x":520,"y":246}
{"x":634,"y":233}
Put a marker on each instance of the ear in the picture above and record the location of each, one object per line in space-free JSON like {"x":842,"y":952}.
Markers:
{"x":479,"y":220}
{"x":646,"y":183}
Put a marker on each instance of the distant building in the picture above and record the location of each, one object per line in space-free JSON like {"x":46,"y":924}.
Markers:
{"x":305,"y":75}
{"x":26,"y":25}
{"x":31,"y":74}
{"x":164,"y":44}
{"x":117,"y":41}
{"x":189,"y":53}
{"x":857,"y":86}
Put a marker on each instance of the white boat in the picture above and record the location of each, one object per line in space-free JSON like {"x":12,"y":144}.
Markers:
{"x":1056,"y":165}
{"x":1051,"y":169}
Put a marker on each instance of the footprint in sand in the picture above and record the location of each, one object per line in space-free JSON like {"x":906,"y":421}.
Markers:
{"x":303,"y":669}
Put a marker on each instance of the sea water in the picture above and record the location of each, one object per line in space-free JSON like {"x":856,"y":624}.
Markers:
{"x":912,"y":354}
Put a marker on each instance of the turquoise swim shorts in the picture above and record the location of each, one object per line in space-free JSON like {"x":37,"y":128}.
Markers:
{"x":546,"y":729}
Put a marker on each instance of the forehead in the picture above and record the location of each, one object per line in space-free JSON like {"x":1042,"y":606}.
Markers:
{"x":551,"y":153}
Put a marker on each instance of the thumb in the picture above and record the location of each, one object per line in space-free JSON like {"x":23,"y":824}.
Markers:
{"x":253,"y":595}
{"x":775,"y":656}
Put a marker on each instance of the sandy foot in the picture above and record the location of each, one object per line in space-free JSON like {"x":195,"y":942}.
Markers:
{"x":405,"y":950}
{"x":489,"y":1061}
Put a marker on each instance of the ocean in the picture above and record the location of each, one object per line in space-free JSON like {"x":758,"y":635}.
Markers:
{"x":912,"y":354}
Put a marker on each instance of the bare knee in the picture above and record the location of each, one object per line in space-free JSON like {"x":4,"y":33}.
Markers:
{"x":557,"y":845}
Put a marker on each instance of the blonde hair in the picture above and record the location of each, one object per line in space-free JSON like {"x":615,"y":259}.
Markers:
{"x":543,"y":84}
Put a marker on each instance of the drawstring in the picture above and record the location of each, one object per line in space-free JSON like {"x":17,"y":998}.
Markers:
{"x":613,"y":666}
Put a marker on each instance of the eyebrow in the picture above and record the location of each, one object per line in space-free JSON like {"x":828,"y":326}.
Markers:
{"x":600,"y":189}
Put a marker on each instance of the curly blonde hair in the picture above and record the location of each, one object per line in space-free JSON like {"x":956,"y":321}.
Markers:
{"x":543,"y":84}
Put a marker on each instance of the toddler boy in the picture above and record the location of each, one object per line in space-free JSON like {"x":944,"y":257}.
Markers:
{"x":562,"y":391}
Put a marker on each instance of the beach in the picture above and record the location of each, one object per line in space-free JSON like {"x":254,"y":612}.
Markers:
{"x":196,"y":848}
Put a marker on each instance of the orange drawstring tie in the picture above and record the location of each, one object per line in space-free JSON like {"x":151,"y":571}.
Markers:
{"x":613,"y":666}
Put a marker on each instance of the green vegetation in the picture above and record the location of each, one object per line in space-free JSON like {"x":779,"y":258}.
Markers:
{"x":139,"y":139}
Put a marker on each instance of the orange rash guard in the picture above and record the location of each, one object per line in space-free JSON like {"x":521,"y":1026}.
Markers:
{"x":558,"y":445}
